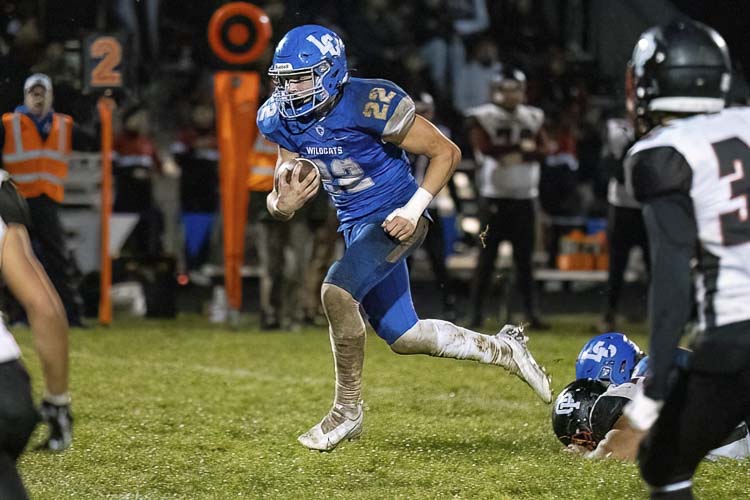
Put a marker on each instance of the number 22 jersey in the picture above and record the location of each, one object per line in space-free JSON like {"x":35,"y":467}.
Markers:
{"x":366,"y":177}
{"x":708,"y":158}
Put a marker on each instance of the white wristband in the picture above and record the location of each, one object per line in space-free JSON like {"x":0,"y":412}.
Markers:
{"x":57,"y":399}
{"x":415,"y":207}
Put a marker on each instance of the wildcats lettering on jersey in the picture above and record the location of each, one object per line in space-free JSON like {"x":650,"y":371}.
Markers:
{"x":363,"y":173}
{"x":323,"y":150}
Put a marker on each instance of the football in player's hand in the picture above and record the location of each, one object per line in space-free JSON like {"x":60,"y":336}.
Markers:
{"x":288,"y":167}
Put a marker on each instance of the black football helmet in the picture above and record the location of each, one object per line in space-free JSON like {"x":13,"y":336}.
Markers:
{"x":571,"y":412}
{"x":682,"y":67}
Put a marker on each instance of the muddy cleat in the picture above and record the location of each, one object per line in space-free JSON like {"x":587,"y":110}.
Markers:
{"x":333,"y":429}
{"x":522,"y":362}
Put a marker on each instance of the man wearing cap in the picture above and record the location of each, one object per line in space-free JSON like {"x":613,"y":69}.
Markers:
{"x":36,"y":146}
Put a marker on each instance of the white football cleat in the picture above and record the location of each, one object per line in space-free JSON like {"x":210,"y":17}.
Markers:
{"x":350,"y":429}
{"x":523,"y":363}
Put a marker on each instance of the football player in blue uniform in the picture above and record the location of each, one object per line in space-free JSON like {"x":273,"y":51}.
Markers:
{"x":358,"y":132}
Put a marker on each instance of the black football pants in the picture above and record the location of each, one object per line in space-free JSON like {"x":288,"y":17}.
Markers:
{"x":703,"y":409}
{"x":18,"y":417}
{"x":625,"y":230}
{"x":515,"y":221}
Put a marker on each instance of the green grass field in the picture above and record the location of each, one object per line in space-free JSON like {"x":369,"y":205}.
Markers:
{"x":185,"y":410}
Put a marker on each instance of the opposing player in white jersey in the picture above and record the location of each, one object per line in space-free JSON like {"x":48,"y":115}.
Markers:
{"x":691,"y":172}
{"x":26,"y":279}
{"x":508,"y":140}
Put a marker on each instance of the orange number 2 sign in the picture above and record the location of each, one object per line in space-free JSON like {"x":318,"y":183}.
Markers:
{"x":109,"y":50}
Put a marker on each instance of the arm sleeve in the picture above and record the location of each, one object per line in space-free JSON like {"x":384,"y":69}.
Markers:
{"x":657,"y":171}
{"x":672,"y":234}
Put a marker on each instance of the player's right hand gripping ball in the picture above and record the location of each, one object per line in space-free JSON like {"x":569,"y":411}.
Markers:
{"x":288,"y":166}
{"x":60,"y":422}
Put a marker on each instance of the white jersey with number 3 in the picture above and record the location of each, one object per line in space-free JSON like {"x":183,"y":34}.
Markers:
{"x":716,"y":148}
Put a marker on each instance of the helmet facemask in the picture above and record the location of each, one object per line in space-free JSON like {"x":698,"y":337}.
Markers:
{"x":584,"y":438}
{"x":301,"y":91}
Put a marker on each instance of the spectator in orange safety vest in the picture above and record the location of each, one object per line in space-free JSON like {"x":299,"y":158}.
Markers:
{"x":36,"y":147}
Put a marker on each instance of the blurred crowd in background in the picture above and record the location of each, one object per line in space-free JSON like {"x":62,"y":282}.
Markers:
{"x":445,"y":53}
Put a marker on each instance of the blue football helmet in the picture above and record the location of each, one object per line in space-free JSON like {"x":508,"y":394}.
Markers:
{"x":609,"y":358}
{"x":308,"y":70}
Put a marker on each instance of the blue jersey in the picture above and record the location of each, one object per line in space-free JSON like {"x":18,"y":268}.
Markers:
{"x":366,"y":177}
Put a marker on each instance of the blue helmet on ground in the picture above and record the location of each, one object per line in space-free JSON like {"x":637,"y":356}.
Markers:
{"x":308,"y":69}
{"x":609,"y":358}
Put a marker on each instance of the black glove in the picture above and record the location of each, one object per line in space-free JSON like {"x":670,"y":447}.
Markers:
{"x":60,"y":422}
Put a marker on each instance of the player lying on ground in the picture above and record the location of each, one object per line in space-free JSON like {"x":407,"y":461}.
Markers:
{"x":588,"y":418}
{"x":587,"y":415}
